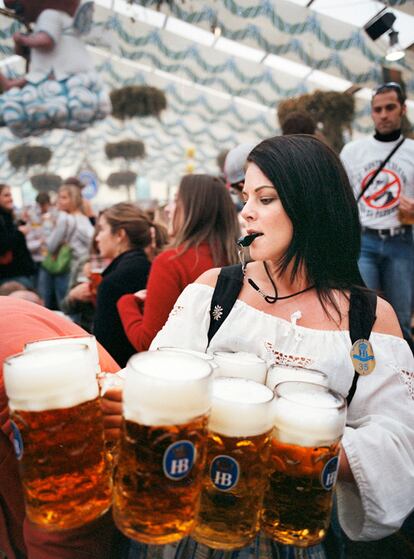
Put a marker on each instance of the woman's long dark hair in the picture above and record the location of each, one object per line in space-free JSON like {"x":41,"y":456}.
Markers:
{"x":316,"y":194}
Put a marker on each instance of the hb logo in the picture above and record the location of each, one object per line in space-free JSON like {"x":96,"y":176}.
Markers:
{"x":224,"y":472}
{"x":330,"y":473}
{"x":178,"y":460}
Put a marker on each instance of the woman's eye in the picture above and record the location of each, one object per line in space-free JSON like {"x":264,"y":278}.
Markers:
{"x":266,"y":201}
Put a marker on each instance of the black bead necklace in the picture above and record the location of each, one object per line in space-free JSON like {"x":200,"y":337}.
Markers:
{"x":269,"y":298}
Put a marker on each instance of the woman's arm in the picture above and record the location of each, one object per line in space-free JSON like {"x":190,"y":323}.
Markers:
{"x":59,"y":232}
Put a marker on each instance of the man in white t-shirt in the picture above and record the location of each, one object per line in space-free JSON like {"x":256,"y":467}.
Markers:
{"x":387,"y":250}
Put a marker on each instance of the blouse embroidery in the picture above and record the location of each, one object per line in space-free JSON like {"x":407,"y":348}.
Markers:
{"x":288,"y":360}
{"x":407,"y":378}
{"x":177,"y":309}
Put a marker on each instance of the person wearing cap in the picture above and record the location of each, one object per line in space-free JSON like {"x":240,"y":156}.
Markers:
{"x":234,"y":169}
{"x":386,"y":206}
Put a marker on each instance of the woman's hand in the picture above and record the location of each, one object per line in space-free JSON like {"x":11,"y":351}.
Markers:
{"x":141,"y":294}
{"x":81,"y":292}
{"x":111,"y":404}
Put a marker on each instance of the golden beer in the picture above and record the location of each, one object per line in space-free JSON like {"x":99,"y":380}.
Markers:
{"x":167,"y":398}
{"x":59,"y":436}
{"x":309,"y":422}
{"x":237,"y":458}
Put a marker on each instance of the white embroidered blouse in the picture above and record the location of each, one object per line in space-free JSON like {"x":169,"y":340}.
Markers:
{"x":379,"y":437}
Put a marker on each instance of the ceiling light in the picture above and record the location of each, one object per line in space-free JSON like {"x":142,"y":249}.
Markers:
{"x":379,"y":24}
{"x":395,"y":51}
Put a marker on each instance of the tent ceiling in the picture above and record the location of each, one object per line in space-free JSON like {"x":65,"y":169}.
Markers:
{"x":218,"y":95}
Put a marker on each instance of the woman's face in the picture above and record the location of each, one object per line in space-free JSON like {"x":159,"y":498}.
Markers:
{"x":175,"y":215}
{"x":6,"y":199}
{"x":263,"y":213}
{"x":108,"y":242}
{"x":64,"y":201}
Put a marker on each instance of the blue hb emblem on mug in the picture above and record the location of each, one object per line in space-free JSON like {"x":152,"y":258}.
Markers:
{"x":224,"y":472}
{"x":178,"y":459}
{"x":330,"y":473}
{"x":17,"y":441}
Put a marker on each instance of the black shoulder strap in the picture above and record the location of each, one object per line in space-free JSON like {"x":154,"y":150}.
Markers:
{"x":228,"y":286}
{"x":380,"y":168}
{"x":362,"y":308}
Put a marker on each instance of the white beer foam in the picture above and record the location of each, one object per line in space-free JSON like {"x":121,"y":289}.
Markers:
{"x":166,"y":388}
{"x":90,"y":341}
{"x":206,"y":356}
{"x":241,"y":365}
{"x":241,"y":407}
{"x":50,"y":378}
{"x":307,"y":414}
{"x":281,"y":373}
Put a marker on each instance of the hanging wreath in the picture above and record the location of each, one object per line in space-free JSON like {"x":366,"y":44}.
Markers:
{"x":24,"y":156}
{"x":332,"y":111}
{"x":128,"y":149}
{"x":121,"y":178}
{"x":45,"y":182}
{"x":137,"y":100}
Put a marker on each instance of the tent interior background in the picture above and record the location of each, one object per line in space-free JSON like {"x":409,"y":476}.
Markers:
{"x":222,"y":89}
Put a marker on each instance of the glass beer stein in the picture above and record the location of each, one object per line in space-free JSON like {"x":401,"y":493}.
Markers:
{"x":167,"y":399}
{"x":281,"y":373}
{"x":234,"y":478}
{"x":241,"y":365}
{"x":59,"y":435}
{"x":309,"y":420}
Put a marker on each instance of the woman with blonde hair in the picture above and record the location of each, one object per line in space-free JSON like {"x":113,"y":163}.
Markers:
{"x":72,"y":228}
{"x":125,"y":236}
{"x":204,"y":228}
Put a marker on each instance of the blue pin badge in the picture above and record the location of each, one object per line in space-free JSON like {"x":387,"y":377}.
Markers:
{"x":363,"y":358}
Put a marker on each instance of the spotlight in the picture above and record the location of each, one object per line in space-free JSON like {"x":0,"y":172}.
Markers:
{"x":395,"y":51}
{"x":379,"y":24}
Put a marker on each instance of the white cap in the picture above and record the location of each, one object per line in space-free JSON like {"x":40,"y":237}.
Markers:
{"x":234,"y":165}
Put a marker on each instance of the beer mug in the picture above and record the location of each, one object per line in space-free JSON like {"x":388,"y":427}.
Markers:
{"x":235,"y":477}
{"x":97,"y":266}
{"x":201,"y":355}
{"x":281,"y":373}
{"x":167,"y":399}
{"x":58,"y":341}
{"x":58,"y":435}
{"x":241,"y":365}
{"x":309,"y":421}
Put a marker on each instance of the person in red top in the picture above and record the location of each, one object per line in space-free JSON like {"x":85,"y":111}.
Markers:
{"x":204,"y":227}
{"x":22,"y":322}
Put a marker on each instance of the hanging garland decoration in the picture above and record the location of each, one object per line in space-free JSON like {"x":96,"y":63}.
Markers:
{"x":121,"y":178}
{"x":333,"y":110}
{"x":45,"y":182}
{"x":127,"y":149}
{"x":25,"y":156}
{"x":137,"y":100}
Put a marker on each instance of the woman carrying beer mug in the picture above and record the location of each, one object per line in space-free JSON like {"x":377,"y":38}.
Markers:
{"x":292,"y":309}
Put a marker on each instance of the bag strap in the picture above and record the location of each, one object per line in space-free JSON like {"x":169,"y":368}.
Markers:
{"x":362,"y":309}
{"x":228,"y":287}
{"x":380,"y":168}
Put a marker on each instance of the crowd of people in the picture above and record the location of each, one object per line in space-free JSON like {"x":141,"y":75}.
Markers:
{"x":299,"y":286}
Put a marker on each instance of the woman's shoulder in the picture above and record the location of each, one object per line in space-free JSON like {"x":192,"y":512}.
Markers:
{"x":386,"y":320}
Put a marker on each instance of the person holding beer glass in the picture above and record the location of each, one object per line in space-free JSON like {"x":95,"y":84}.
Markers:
{"x":124,"y":233}
{"x":292,"y":309}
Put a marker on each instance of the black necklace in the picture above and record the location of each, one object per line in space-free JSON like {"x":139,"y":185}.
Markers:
{"x":269,"y":298}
